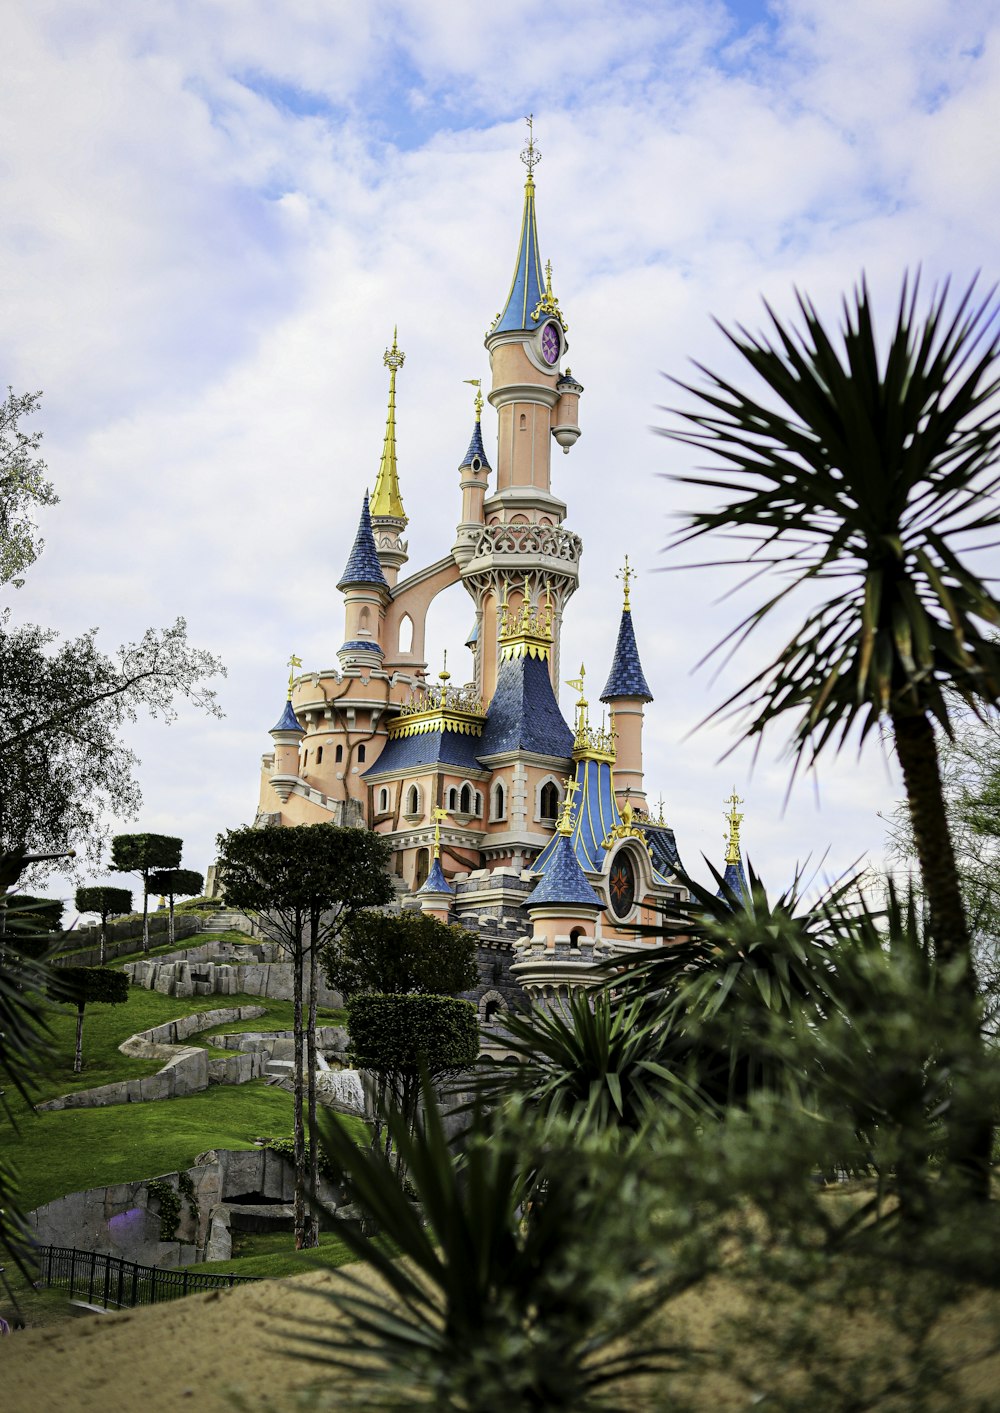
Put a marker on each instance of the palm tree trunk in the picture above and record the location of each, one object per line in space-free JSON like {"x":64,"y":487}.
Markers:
{"x":970,"y":1140}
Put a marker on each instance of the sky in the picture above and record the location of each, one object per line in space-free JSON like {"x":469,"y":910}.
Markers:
{"x":214,"y":212}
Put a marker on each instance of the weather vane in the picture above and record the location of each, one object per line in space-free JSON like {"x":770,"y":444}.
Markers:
{"x":476,"y":383}
{"x":733,"y":836}
{"x":565,"y":825}
{"x":438,"y":814}
{"x":530,"y":154}
{"x":293,"y":663}
{"x":627,"y":574}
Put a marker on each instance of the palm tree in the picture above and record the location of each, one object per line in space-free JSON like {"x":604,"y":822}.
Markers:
{"x":869,"y":471}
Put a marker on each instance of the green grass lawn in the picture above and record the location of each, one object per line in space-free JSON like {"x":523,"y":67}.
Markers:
{"x":74,"y":1149}
{"x":183,"y":944}
{"x":273,"y":1254}
{"x":279,"y":1017}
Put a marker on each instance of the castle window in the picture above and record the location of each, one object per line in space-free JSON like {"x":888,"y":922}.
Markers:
{"x":465,"y":801}
{"x":383,"y":800}
{"x":548,"y":800}
{"x":319,"y":755}
{"x":478,"y":804}
{"x":523,"y":423}
{"x":361,"y":755}
{"x":406,"y":634}
{"x":413,"y":800}
{"x":338,"y":754}
{"x":453,"y":799}
{"x":365,"y":623}
{"x":499,"y":801}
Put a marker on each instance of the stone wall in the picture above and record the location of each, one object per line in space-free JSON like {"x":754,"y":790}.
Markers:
{"x":125,"y":937}
{"x":224,"y":969}
{"x":122,"y":1219}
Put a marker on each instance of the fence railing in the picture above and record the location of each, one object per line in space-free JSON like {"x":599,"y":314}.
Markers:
{"x":113,"y":1282}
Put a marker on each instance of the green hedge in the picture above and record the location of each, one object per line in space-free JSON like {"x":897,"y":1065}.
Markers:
{"x":82,"y":985}
{"x":398,"y":1034}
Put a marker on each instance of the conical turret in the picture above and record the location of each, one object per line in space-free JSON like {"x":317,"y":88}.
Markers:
{"x":287,"y":735}
{"x":627,"y":691}
{"x":734,"y":879}
{"x":365,"y":591}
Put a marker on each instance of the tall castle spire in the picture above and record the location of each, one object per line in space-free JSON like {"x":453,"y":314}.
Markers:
{"x":386,"y":500}
{"x":524,"y":307}
{"x":388,"y":515}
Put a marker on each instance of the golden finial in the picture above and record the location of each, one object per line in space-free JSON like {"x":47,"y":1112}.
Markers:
{"x":661,"y":820}
{"x":565,"y":825}
{"x":477,"y":383}
{"x":733,"y":837}
{"x":438,"y":814}
{"x":293,"y":663}
{"x":444,"y":675}
{"x":385,"y":498}
{"x":626,"y":574}
{"x":530,"y":154}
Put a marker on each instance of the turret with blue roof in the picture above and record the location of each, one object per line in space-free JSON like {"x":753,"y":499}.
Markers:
{"x":437,"y":893}
{"x":627,"y":692}
{"x":365,"y":590}
{"x":287,"y":736}
{"x":734,"y":880}
{"x":363,"y":567}
{"x":524,"y":714}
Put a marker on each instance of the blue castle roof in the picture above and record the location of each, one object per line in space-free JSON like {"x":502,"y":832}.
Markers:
{"x":524,"y":714}
{"x":527,"y":287}
{"x":626,"y":678}
{"x":662,"y":848}
{"x":436,"y":881}
{"x":428,"y":748}
{"x":563,"y":880}
{"x":476,"y":448}
{"x":735,"y":879}
{"x":288,"y":721}
{"x":596,"y":814}
{"x":363,"y":565}
{"x":367,"y":645}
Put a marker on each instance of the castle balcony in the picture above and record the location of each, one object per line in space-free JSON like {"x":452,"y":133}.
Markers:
{"x":518,"y":549}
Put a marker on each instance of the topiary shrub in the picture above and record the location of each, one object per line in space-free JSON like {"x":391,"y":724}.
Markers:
{"x":81,"y":986}
{"x":397,"y":1037}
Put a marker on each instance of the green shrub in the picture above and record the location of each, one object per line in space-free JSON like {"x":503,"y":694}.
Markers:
{"x":391,"y":1034}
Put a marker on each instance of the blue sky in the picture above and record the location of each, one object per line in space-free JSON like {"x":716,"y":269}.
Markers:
{"x":214,"y":214}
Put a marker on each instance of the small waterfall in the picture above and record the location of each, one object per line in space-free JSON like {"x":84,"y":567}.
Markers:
{"x":343,"y":1087}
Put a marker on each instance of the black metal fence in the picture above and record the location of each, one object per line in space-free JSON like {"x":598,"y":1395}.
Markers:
{"x":114,"y":1283}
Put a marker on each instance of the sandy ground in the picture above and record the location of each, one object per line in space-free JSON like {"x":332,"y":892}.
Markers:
{"x":228,"y":1350}
{"x":189,"y":1354}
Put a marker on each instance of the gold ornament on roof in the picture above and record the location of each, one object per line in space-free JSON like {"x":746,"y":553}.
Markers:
{"x":386,"y":501}
{"x":293,"y":663}
{"x":530,"y":154}
{"x":438,"y":814}
{"x":565,"y":824}
{"x":626,"y":574}
{"x":527,"y":631}
{"x":627,"y":826}
{"x":591,"y":742}
{"x":661,"y":820}
{"x":548,"y":304}
{"x":732,"y":837}
{"x":477,"y":383}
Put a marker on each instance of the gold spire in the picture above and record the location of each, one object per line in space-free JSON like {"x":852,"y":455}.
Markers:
{"x":386,"y":499}
{"x":293,"y":663}
{"x":626,"y":574}
{"x":477,"y":383}
{"x":548,"y":304}
{"x":438,"y":814}
{"x":591,"y":742}
{"x":735,"y":819}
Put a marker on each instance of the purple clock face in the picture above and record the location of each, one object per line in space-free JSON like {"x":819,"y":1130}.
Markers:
{"x":550,"y":343}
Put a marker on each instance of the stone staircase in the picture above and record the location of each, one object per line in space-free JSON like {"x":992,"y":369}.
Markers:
{"x":222,"y":920}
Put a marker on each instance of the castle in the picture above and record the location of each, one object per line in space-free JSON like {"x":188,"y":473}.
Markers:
{"x":532,"y":832}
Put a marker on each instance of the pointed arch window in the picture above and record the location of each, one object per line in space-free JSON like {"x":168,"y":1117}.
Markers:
{"x":338,"y":755}
{"x":413,"y":800}
{"x":406,"y":634}
{"x":499,"y":801}
{"x":548,"y":800}
{"x":465,"y":800}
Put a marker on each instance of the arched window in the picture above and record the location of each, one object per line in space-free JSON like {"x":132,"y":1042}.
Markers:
{"x":548,"y":800}
{"x":406,"y":634}
{"x":499,"y":801}
{"x":465,"y":801}
{"x":478,"y":805}
{"x":453,"y":799}
{"x":413,"y":800}
{"x":361,"y":755}
{"x":319,"y":755}
{"x":365,"y":622}
{"x":338,"y":754}
{"x":383,"y":800}
{"x":523,"y":423}
{"x":575,"y":935}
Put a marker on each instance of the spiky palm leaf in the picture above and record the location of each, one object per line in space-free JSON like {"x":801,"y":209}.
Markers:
{"x":505,"y":1289}
{"x":871,"y":473}
{"x":594,"y":1061}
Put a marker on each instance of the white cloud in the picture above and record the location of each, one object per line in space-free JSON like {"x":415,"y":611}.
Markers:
{"x":214,"y":215}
